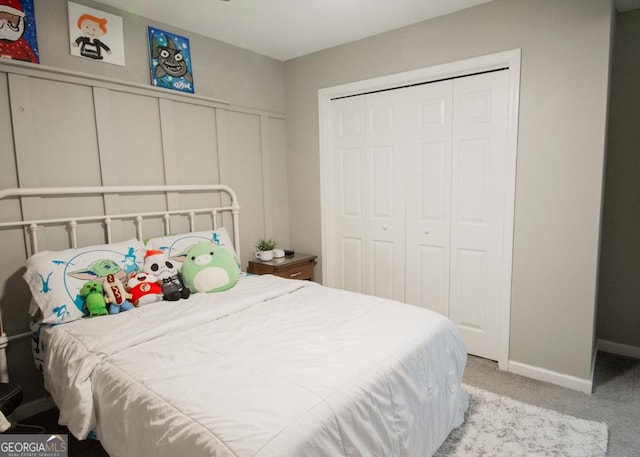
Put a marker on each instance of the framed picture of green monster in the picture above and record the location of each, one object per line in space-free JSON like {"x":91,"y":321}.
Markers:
{"x":170,"y":61}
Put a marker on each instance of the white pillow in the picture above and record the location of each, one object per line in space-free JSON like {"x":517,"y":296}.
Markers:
{"x":56,"y":277}
{"x":176,"y":246}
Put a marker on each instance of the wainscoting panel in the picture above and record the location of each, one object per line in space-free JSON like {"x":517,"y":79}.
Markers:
{"x":62,"y":128}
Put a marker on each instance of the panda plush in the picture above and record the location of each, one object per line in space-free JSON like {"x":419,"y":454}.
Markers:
{"x":169,"y":278}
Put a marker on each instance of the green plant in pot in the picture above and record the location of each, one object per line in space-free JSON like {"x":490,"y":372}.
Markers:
{"x":265,"y":247}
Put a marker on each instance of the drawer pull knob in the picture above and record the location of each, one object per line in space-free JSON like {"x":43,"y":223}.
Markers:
{"x":384,"y":227}
{"x":293,"y":275}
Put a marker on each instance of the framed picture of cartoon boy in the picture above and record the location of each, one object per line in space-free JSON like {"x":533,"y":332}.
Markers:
{"x":95,"y":35}
{"x":170,"y":57}
{"x":18,"y":31}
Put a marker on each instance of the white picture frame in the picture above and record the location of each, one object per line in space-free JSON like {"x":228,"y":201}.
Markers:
{"x":95,"y":35}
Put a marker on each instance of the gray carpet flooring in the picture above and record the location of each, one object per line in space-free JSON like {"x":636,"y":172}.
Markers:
{"x":616,"y":401}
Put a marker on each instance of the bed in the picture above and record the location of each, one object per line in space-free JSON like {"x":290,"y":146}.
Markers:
{"x":269,"y":367}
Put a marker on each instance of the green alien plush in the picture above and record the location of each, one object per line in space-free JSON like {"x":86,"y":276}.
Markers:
{"x":209,"y":268}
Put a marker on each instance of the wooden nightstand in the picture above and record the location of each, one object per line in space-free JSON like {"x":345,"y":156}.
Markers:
{"x":300,"y":266}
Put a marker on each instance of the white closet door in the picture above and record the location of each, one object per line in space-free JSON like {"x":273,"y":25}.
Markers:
{"x":419,"y":187}
{"x":429,"y":135}
{"x":385,"y":141}
{"x":477,"y":213}
{"x":368,"y":189}
{"x":348,"y":195}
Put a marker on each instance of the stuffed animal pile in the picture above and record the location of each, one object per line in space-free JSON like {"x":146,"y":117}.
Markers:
{"x":207,"y":267}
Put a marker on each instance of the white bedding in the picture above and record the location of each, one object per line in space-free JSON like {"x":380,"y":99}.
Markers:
{"x":271,"y":367}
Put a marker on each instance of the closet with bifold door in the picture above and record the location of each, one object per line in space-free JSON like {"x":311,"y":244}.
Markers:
{"x":418,"y":185}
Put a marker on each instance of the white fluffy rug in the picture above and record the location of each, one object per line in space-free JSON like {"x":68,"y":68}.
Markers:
{"x":499,"y":426}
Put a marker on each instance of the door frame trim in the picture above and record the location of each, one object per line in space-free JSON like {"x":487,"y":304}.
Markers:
{"x":510,"y":59}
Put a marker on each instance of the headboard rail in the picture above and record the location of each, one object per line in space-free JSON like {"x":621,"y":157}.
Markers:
{"x":33,"y":225}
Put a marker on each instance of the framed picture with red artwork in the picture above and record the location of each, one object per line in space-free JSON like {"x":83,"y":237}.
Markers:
{"x":18,"y":39}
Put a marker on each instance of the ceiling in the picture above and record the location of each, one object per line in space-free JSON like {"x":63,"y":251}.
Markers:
{"x":285,"y":29}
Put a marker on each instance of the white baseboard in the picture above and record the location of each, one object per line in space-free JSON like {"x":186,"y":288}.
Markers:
{"x":32,"y":408}
{"x":560,"y":379}
{"x":619,"y":348}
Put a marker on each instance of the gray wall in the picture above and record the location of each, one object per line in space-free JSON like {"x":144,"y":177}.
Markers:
{"x":563,"y":102}
{"x":220,"y":70}
{"x":619,"y":288}
{"x":122,"y":135}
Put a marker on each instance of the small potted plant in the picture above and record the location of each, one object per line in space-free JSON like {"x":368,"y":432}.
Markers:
{"x":265,"y":247}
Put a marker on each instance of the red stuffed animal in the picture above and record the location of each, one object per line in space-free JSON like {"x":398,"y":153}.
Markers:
{"x":144,"y":288}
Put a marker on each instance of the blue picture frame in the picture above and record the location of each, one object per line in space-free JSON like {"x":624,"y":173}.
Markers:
{"x":170,"y":61}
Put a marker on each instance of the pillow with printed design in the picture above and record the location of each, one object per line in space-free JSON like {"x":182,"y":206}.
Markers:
{"x":176,"y":246}
{"x":56,"y":277}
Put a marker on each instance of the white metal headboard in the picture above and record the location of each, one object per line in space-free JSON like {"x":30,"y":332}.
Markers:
{"x":32,"y":226}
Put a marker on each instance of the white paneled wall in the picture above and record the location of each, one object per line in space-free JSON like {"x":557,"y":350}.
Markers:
{"x":63,"y":128}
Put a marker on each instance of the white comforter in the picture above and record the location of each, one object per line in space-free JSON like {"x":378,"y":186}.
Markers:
{"x":269,"y":368}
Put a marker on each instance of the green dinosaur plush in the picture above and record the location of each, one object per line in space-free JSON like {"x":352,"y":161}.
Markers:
{"x":209,"y":268}
{"x":92,"y":291}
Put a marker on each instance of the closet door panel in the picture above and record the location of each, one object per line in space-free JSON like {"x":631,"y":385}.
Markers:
{"x":429,"y":282}
{"x":347,"y":194}
{"x":473,"y":173}
{"x":352,"y":264}
{"x":385,"y":141}
{"x":433,"y":166}
{"x":382,"y":179}
{"x":470,"y":288}
{"x":382,"y":269}
{"x":352,"y":218}
{"x":429,"y":133}
{"x":478,"y":183}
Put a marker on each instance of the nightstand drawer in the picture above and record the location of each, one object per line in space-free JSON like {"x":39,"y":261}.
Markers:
{"x":304,"y":271}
